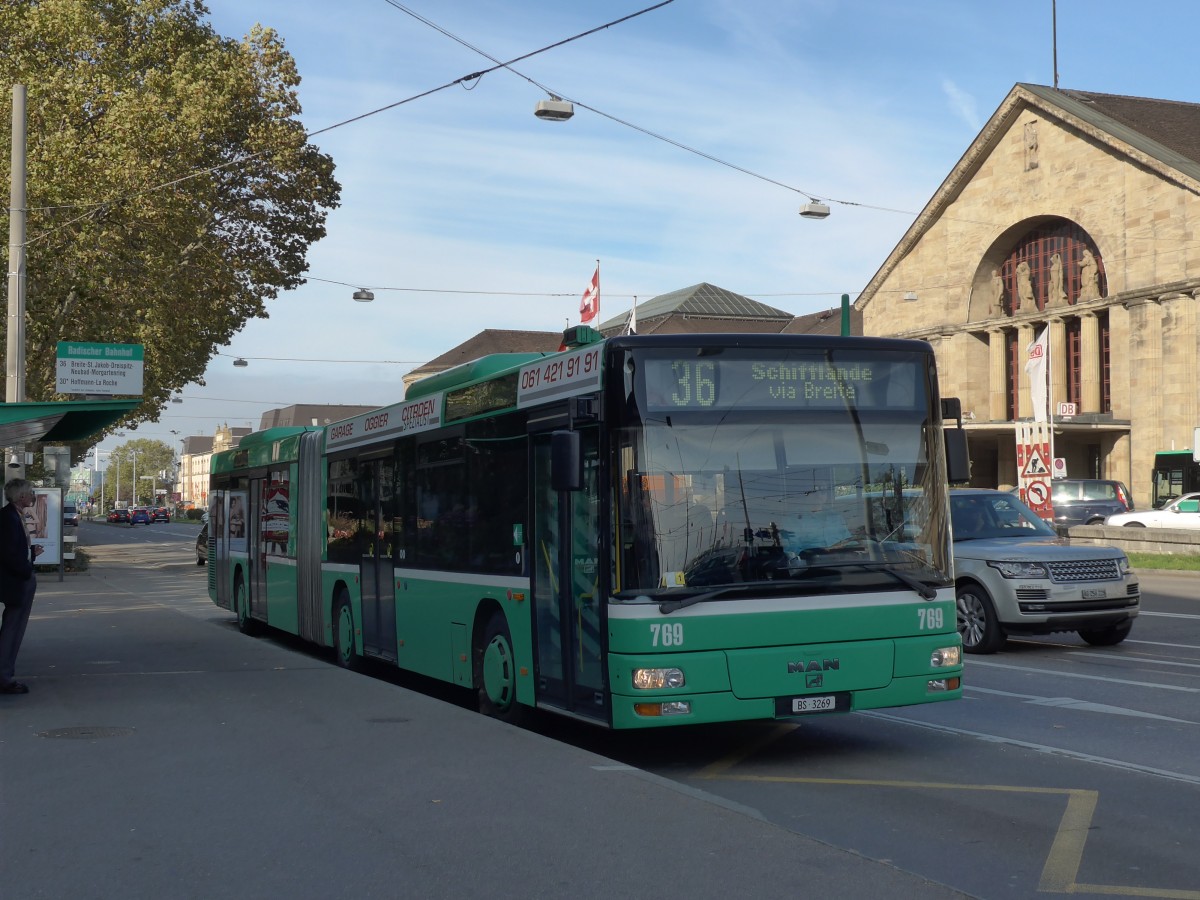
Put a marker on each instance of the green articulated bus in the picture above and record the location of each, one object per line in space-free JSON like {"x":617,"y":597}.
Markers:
{"x":1176,"y":472}
{"x":637,"y":531}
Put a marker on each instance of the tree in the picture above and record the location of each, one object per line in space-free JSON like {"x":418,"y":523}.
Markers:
{"x":171,"y":188}
{"x":128,"y":466}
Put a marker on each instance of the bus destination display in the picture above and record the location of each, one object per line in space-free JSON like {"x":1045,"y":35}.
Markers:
{"x":721,"y":383}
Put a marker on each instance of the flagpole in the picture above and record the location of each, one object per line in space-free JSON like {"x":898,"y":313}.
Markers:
{"x":1050,"y":392}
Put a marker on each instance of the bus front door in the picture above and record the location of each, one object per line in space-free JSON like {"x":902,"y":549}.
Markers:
{"x":376,"y":574}
{"x":564,"y":545}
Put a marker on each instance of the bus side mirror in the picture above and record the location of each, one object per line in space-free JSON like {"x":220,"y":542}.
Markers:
{"x":958,"y":462}
{"x":566,"y":461}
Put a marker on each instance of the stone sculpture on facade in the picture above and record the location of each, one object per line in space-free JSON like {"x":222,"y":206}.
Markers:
{"x":1089,"y":277}
{"x":1057,"y":296}
{"x":996,"y":294}
{"x":1025,"y":287}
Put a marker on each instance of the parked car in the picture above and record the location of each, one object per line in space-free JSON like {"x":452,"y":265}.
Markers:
{"x":139,"y":514}
{"x":1087,"y":501}
{"x":70,"y":514}
{"x":202,"y":545}
{"x":160,"y":514}
{"x":1182,"y":512}
{"x":119,"y":515}
{"x":1015,"y":575}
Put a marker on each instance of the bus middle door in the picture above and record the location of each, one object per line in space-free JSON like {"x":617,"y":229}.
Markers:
{"x":564,"y":545}
{"x":376,"y":568}
{"x":254,"y":550}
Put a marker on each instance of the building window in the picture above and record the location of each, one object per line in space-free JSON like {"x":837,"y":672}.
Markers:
{"x":1046,"y":269}
{"x":1013,"y":360}
{"x":1105,"y":364}
{"x":1074,"y":362}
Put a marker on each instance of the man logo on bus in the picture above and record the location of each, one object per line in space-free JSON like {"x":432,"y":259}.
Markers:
{"x":825,"y":665}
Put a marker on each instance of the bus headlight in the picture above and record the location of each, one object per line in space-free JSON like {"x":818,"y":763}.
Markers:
{"x":946,"y":656}
{"x":657,"y":679}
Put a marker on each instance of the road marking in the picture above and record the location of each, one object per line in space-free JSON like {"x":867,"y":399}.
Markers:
{"x":1152,"y":661}
{"x":1121,"y":681}
{"x":1081,"y":705}
{"x":1066,"y":853}
{"x":1040,"y":748}
{"x":727,"y":762}
{"x":1065,"y":857}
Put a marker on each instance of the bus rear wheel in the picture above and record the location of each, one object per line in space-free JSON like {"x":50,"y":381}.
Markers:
{"x":241,"y":602}
{"x":496,"y":673}
{"x":343,"y":634}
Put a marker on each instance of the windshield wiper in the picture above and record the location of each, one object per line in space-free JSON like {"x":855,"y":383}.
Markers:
{"x":900,"y":575}
{"x":669,"y":606}
{"x":754,"y":587}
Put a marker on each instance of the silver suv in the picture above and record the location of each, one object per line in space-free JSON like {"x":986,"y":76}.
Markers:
{"x":1014,"y":575}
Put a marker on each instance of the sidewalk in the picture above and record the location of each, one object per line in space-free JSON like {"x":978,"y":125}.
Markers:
{"x":162,"y":754}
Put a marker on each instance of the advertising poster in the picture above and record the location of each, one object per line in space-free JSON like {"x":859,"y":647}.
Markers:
{"x":44,"y":522}
{"x":237,"y":521}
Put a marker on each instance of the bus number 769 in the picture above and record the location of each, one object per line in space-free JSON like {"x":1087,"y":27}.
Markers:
{"x":669,"y":634}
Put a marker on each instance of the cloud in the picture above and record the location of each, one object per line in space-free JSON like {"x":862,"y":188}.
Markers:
{"x":962,"y":105}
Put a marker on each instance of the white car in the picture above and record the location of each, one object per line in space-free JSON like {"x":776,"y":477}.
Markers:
{"x":1013,"y":574}
{"x":1182,"y":512}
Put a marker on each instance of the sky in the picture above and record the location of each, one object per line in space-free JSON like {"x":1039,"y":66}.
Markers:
{"x":462,"y":211}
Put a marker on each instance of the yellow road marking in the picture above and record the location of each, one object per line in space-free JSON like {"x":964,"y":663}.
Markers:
{"x":1066,"y":851}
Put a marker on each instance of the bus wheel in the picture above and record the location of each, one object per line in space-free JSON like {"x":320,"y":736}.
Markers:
{"x":1107,"y":637}
{"x":343,"y":633}
{"x":977,"y":624}
{"x":496,"y":673}
{"x":241,"y":602}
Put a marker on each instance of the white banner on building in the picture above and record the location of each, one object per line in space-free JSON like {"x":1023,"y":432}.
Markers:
{"x":1037,"y":356}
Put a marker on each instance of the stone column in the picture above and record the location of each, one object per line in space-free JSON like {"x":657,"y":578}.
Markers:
{"x":1006,"y":461}
{"x":1118,"y":362}
{"x":1059,"y":362}
{"x":1145,"y":389}
{"x":1025,"y":335}
{"x":1179,"y":370}
{"x":1089,"y":363}
{"x":997,"y":376}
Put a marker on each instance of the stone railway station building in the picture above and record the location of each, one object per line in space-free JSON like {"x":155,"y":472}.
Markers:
{"x":1080,"y":213}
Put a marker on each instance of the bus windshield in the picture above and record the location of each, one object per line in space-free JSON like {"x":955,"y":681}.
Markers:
{"x":831,"y":502}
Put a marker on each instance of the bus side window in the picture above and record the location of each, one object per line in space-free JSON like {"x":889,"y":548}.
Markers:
{"x":341,"y":516}
{"x":498,"y":485}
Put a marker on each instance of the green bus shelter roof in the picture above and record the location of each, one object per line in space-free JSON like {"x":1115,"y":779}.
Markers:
{"x":58,"y":423}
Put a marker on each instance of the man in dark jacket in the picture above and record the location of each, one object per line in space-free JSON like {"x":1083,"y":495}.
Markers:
{"x":17,"y":581}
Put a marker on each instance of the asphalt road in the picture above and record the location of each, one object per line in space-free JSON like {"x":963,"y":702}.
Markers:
{"x":1067,"y":769}
{"x":160,"y":753}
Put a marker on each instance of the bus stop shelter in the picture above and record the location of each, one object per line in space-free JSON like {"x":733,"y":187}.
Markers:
{"x":59,"y":423}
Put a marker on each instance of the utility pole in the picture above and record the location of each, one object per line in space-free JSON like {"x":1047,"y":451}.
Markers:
{"x":14,"y":382}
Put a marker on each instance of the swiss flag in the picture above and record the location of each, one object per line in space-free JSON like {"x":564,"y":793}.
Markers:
{"x":589,"y":306}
